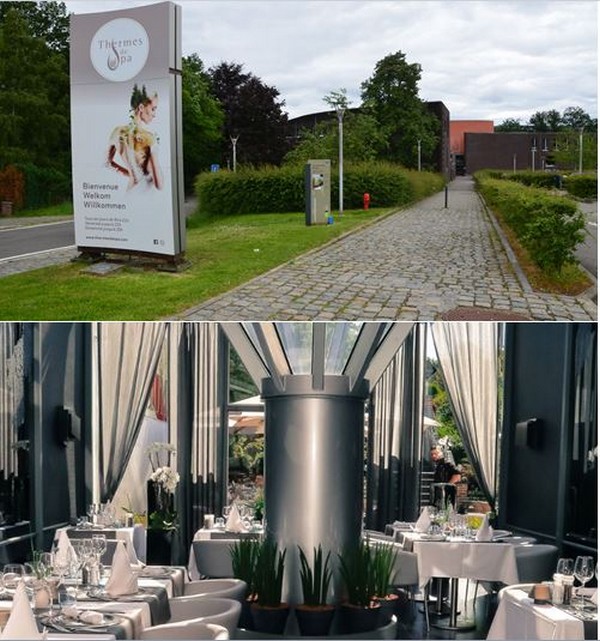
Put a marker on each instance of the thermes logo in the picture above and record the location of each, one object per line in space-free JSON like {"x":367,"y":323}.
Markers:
{"x":119,"y":49}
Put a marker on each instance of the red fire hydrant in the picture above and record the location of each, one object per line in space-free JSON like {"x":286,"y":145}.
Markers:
{"x":366,"y":200}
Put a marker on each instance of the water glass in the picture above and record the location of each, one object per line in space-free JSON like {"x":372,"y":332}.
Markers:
{"x":67,"y":596}
{"x":12,"y":575}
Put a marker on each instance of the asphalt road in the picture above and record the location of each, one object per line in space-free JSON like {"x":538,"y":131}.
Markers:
{"x":28,"y":240}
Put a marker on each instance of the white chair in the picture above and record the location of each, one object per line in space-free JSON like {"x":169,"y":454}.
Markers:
{"x":213,"y":558}
{"x":376,"y":535}
{"x":213,"y":588}
{"x":225,"y":612}
{"x":191,"y":630}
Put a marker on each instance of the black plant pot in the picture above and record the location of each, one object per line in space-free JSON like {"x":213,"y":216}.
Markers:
{"x":246,"y":620}
{"x":270,"y":620}
{"x":314,"y":621}
{"x":358,"y":619}
{"x":388,"y":607}
{"x":159,"y":546}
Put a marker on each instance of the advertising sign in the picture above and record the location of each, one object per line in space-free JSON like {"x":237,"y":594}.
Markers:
{"x":126,"y":130}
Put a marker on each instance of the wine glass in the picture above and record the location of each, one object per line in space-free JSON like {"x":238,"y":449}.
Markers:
{"x":583,"y":571}
{"x":99,"y":545}
{"x":226,"y":511}
{"x":564,"y":566}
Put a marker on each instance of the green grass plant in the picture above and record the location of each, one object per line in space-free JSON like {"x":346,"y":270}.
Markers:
{"x":315,"y":578}
{"x":223,"y":253}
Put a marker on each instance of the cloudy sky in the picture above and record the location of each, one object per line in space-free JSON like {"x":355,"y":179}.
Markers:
{"x":484,"y":59}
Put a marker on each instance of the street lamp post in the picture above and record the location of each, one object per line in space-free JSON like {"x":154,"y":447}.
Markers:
{"x":340,"y":115}
{"x":581,"y":149}
{"x":234,"y":140}
{"x":419,"y":154}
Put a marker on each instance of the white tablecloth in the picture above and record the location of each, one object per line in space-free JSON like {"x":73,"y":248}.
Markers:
{"x":205,"y":535}
{"x":136,"y":616}
{"x":466,"y":560}
{"x":133,"y":537}
{"x":517,"y":617}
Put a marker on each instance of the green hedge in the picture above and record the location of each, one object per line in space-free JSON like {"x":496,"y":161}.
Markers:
{"x":548,"y":226}
{"x":274,"y":190}
{"x":44,"y":186}
{"x":582,"y":186}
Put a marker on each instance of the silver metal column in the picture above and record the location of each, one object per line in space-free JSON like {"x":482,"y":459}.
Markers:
{"x":314,"y":449}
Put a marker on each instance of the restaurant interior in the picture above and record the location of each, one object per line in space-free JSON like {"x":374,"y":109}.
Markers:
{"x":465,"y":452}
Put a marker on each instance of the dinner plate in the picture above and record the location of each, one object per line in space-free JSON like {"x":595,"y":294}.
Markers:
{"x":62,"y":621}
{"x":155,"y":570}
{"x":432,"y":537}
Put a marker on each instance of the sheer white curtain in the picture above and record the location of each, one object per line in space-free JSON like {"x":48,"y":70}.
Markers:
{"x":468,"y":356}
{"x":127,"y":358}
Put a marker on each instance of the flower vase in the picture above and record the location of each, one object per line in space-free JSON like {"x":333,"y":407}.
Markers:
{"x":159,"y":546}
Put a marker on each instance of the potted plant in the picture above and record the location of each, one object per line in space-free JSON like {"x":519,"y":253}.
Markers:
{"x":162,"y":516}
{"x":244,"y":554}
{"x":269,"y":613}
{"x":314,"y":615}
{"x":384,"y":558}
{"x":360,"y":610}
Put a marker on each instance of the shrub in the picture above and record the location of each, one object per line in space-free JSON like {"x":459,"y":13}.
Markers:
{"x":548,"y":226}
{"x":12,"y":186}
{"x":582,"y":186}
{"x":272,"y":190}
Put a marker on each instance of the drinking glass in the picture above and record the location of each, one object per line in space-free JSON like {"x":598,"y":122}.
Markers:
{"x":99,"y":545}
{"x":564,"y":566}
{"x":583,"y":571}
{"x":12,"y":575}
{"x":67,"y":596}
{"x":226,"y":511}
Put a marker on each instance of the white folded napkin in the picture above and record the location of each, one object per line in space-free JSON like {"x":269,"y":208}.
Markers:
{"x":65,"y":552}
{"x":485,"y":531}
{"x":594,"y":597}
{"x":123,"y":580}
{"x":21,"y":623}
{"x":423,"y":522}
{"x":234,"y":521}
{"x":85,"y":616}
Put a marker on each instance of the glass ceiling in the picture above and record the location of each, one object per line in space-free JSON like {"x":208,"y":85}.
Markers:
{"x":296,"y":339}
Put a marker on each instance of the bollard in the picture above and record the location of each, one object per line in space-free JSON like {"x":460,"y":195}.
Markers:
{"x":366,"y":200}
{"x":446,"y":197}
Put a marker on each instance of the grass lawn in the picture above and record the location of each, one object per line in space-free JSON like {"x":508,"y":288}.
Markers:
{"x":223,"y":253}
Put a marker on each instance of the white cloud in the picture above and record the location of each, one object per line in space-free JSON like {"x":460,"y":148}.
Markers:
{"x":483,"y":59}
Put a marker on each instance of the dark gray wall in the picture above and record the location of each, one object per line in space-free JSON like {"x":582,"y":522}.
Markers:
{"x":536,"y":374}
{"x":549,"y":490}
{"x":62,"y":397}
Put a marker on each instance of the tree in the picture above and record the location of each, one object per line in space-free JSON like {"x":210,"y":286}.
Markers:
{"x":47,"y":20}
{"x":252,"y":113}
{"x":363,"y":140}
{"x":34,"y":100}
{"x":546,"y":121}
{"x":511,"y":125}
{"x":575,"y":118}
{"x":202,"y":120}
{"x":391,"y":96}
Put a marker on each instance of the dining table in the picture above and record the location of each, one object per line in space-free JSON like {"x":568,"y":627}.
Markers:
{"x":206,"y":534}
{"x":133,"y":537}
{"x":459,"y":558}
{"x":123,"y":617}
{"x":518,"y":616}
